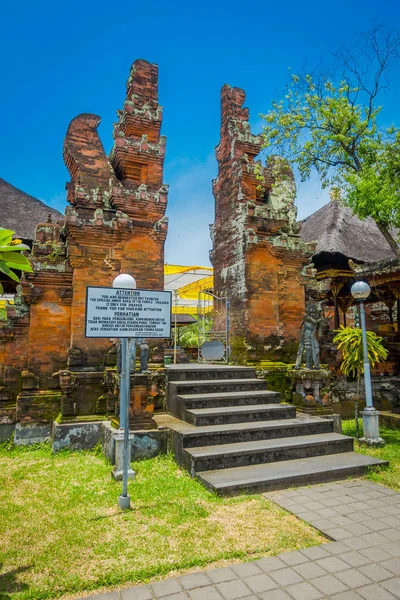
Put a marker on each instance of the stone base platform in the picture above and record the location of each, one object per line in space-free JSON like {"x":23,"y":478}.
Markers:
{"x":389,"y":419}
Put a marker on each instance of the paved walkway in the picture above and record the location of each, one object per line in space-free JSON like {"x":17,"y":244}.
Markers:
{"x":362,"y":563}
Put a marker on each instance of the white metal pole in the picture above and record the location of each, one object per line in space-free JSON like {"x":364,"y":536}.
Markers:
{"x":128,"y":282}
{"x":367,"y":370}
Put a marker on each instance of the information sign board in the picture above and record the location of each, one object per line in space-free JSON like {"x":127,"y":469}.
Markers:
{"x":121,"y":312}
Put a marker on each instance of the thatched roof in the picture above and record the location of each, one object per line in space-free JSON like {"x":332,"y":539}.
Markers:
{"x":335,"y":229}
{"x":21,"y":212}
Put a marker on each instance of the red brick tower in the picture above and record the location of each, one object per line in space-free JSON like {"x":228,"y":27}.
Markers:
{"x":258,"y":256}
{"x":115,"y":222}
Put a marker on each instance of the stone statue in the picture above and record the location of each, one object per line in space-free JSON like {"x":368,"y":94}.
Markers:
{"x":308,"y":342}
{"x":144,"y":355}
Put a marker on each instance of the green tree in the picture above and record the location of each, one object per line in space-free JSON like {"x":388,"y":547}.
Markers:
{"x":328,"y":122}
{"x":11,"y":256}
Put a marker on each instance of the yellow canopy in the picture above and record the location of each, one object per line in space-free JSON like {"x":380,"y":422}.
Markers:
{"x":186,"y":283}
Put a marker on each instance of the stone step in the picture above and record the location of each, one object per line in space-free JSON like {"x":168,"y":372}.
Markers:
{"x":238,"y":414}
{"x":215,"y":400}
{"x":302,"y":471}
{"x":249,"y":432}
{"x":225,"y":456}
{"x":217,"y":386}
{"x":202,"y":372}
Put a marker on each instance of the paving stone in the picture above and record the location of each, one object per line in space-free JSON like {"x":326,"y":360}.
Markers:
{"x":313,"y":505}
{"x":166,"y":587}
{"x":194,"y":580}
{"x":375,"y":525}
{"x":393,"y":565}
{"x":329,"y":585}
{"x":293,"y":558}
{"x":205,"y":593}
{"x":338,"y":533}
{"x":375,"y":592}
{"x":319,"y":524}
{"x":375,"y":554}
{"x":347,"y":500}
{"x":344,"y":510}
{"x":377,"y":503}
{"x":275,"y":595}
{"x":391,"y":534}
{"x":359,"y":517}
{"x":260,"y":583}
{"x":310,"y":570}
{"x":392,"y":586}
{"x":304,"y":591}
{"x":230,"y":590}
{"x":341,"y":521}
{"x":358,"y":529}
{"x":142,"y":592}
{"x":106,"y":596}
{"x":375,"y":572}
{"x":354,"y":558}
{"x":246,"y":569}
{"x":393,"y":549}
{"x":333,"y":564}
{"x":307,"y":516}
{"x":352,"y":595}
{"x":391,"y":521}
{"x":316,"y":552}
{"x":391,"y":510}
{"x":270,"y":563}
{"x":359,"y":506}
{"x":336,"y":494}
{"x":286,"y":576}
{"x":353,"y":578}
{"x":326,"y":513}
{"x":221,"y":574}
{"x":330,"y":502}
{"x":362,"y":497}
{"x":358,"y":543}
{"x":351,"y":483}
{"x":337,"y":547}
{"x":179,"y":596}
{"x":374,"y":539}
{"x":388,"y":491}
{"x":375,"y":513}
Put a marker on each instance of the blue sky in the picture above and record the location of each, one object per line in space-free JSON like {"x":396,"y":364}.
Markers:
{"x":59,"y":59}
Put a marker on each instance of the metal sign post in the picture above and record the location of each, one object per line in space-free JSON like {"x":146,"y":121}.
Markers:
{"x":125,"y":312}
{"x":124,"y":500}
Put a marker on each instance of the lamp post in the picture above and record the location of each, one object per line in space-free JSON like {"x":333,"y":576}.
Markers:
{"x":127,"y":282}
{"x":360,"y":291}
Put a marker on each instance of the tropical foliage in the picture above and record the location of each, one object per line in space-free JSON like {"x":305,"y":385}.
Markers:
{"x":349,"y":341}
{"x":11,"y":256}
{"x":189,"y":335}
{"x":328,"y":122}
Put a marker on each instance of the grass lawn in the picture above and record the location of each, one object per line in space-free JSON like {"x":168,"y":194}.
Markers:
{"x":61,"y":531}
{"x":389,"y":476}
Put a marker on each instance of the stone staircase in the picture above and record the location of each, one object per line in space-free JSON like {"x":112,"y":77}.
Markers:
{"x":233,"y":434}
